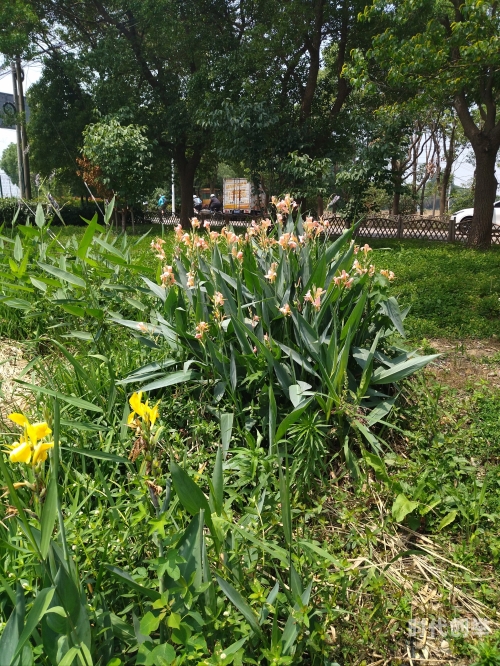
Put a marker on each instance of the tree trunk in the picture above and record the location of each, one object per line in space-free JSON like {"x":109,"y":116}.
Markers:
{"x":320,"y":205}
{"x":484,"y":198}
{"x":443,"y":195}
{"x":187,"y":170}
{"x":124,"y":219}
{"x":395,"y":203}
{"x":396,"y":179}
{"x":485,"y":142}
{"x":422,"y":197}
{"x":132,"y":220}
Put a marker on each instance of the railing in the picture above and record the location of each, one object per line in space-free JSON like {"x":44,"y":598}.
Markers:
{"x":414,"y":227}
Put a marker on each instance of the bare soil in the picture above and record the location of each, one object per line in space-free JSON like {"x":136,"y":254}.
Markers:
{"x":12,"y":363}
{"x":463,"y":364}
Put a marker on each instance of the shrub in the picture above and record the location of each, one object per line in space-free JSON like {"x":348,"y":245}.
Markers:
{"x":279,"y":324}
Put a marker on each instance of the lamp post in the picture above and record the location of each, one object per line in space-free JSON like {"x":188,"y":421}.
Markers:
{"x":173,"y":187}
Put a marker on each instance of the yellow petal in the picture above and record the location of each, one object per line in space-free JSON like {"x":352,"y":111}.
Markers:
{"x":40,"y":452}
{"x":21,"y":453}
{"x":153,"y":413}
{"x":131,"y":417}
{"x":38,"y":431}
{"x":20,"y":419}
{"x":136,"y":404}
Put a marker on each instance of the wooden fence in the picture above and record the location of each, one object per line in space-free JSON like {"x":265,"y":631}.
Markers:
{"x":401,"y":227}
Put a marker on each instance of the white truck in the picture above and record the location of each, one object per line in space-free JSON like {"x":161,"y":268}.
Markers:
{"x":238,"y":197}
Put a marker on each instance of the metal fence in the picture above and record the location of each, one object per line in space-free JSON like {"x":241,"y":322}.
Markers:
{"x":414,"y":227}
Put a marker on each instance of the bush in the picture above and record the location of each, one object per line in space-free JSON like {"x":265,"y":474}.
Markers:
{"x":179,"y":535}
{"x":277,"y":324}
{"x":71,"y":214}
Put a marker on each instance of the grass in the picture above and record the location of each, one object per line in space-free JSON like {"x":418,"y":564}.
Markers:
{"x":443,"y":453}
{"x":453,"y":291}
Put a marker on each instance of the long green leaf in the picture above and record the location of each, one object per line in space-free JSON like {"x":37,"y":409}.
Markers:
{"x":218,"y":483}
{"x":12,"y":630}
{"x":171,"y":379}
{"x":99,"y":455}
{"x":76,"y":402}
{"x":81,"y":253}
{"x":126,"y":578}
{"x":401,"y":370}
{"x":226,"y":428}
{"x":286,"y":512}
{"x":42,"y":602}
{"x":49,"y":515}
{"x":63,"y":275}
{"x":291,"y":419}
{"x":190,"y":494}
{"x":235,"y":598}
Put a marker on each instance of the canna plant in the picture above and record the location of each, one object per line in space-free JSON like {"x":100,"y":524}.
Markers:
{"x":290,"y":332}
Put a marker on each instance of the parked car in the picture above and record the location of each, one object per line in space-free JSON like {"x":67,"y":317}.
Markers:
{"x":463,"y":218}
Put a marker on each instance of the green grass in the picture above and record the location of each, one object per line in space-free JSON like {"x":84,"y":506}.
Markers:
{"x":444,"y":450}
{"x":453,"y":291}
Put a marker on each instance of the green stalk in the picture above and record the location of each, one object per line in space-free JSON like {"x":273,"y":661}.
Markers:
{"x":55,"y":471}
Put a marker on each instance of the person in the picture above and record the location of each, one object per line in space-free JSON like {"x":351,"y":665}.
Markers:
{"x":162,"y":204}
{"x":215,"y":204}
{"x":197,"y":203}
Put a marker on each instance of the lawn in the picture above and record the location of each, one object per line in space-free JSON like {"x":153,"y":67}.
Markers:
{"x":324,"y":547}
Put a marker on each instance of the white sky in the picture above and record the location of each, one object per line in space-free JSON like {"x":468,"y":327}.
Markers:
{"x":463,"y":170}
{"x":31,"y":74}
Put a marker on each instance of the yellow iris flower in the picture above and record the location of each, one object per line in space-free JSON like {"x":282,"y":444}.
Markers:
{"x":142,"y":409}
{"x":29,"y":445}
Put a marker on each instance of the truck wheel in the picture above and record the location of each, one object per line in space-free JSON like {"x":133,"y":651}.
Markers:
{"x":465,"y":225}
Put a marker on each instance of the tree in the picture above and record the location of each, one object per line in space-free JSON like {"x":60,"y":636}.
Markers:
{"x":157,"y":58}
{"x":9,"y":164}
{"x":124,"y":157}
{"x":60,"y":108}
{"x":286,"y":98}
{"x":444,"y":51}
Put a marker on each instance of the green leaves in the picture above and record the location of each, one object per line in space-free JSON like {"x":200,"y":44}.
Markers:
{"x":65,"y":276}
{"x":402,"y":507}
{"x":190,"y":494}
{"x":49,"y":514}
{"x":235,"y":598}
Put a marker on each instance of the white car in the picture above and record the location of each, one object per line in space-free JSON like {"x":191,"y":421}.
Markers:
{"x":463,"y":218}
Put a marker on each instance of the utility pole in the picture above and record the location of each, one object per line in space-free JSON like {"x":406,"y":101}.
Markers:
{"x":24,"y":136}
{"x":18,"y":133}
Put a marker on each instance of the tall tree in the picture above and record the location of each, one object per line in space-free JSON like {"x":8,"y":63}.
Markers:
{"x":157,"y":58}
{"x":446,"y":51}
{"x":8,"y":162}
{"x":60,"y":108}
{"x":288,"y":93}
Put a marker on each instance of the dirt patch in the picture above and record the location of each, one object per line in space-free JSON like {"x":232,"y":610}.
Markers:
{"x":465,"y":363}
{"x":12,"y":363}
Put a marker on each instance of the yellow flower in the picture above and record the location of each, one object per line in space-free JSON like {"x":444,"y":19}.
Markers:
{"x":142,"y":409}
{"x":21,"y":453}
{"x":28,"y":445}
{"x":34,"y":431}
{"x":153,"y":413}
{"x":40,"y":452}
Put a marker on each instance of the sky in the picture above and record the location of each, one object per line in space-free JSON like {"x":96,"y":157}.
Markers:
{"x":463,"y":170}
